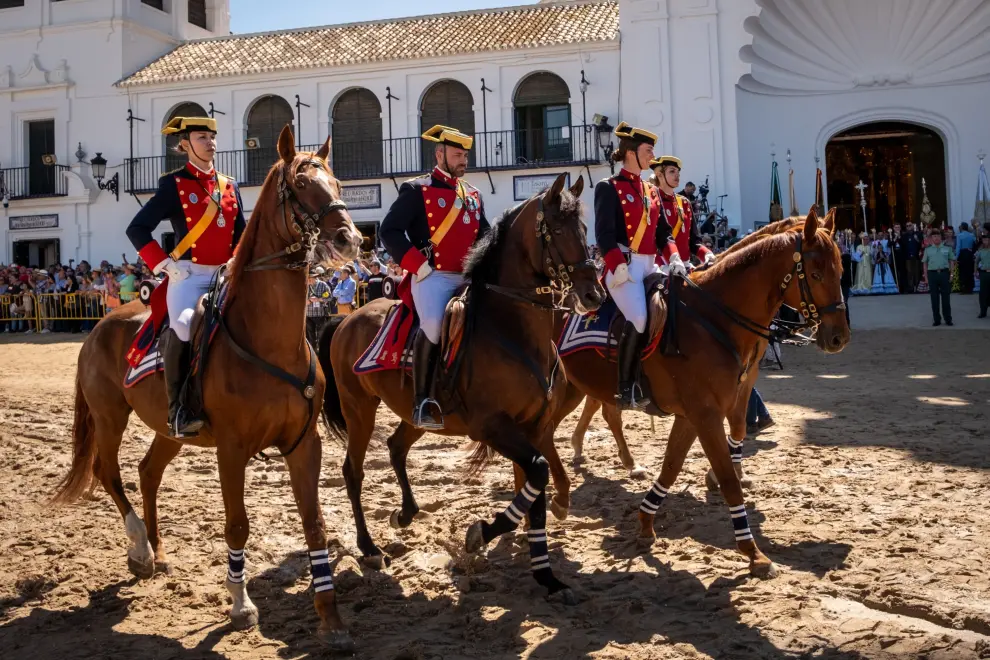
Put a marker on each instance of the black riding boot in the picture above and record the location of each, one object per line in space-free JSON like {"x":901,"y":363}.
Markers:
{"x":424,"y":365}
{"x":176,"y":355}
{"x":630,"y":396}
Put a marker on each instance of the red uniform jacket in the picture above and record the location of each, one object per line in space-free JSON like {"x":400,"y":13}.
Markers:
{"x":619,"y":217}
{"x":182,"y":198}
{"x":677,"y":231}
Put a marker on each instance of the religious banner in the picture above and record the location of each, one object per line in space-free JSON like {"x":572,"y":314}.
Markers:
{"x":981,"y":214}
{"x":795,"y":211}
{"x":33,"y":221}
{"x":776,"y":212}
{"x":362,"y":197}
{"x":819,"y":193}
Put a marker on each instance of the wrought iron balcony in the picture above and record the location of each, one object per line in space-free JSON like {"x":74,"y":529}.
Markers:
{"x":518,"y":149}
{"x":34,"y":181}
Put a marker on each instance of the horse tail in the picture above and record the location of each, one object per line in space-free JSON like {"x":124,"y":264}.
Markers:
{"x":333,"y":415}
{"x":480,"y":458}
{"x":84,"y":453}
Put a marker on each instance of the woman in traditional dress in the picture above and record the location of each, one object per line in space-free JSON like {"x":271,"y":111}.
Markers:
{"x":883,"y":277}
{"x":864,"y":267}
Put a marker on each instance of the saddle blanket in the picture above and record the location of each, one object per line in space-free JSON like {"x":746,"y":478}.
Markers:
{"x":591,"y":331}
{"x":392,"y":346}
{"x":151,"y":361}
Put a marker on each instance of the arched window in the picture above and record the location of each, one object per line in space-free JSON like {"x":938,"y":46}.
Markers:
{"x":268,"y":116}
{"x":357,"y":135}
{"x":543,"y":119}
{"x":175,"y":160}
{"x":450,"y":103}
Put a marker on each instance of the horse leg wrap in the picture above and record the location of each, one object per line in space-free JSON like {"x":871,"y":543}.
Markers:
{"x":508,"y":520}
{"x":235,"y":565}
{"x":735,"y":450}
{"x":539,"y":557}
{"x":319,"y":565}
{"x":740,"y":523}
{"x":651,"y":503}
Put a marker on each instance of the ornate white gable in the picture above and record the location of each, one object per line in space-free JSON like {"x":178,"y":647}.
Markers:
{"x":34,"y":76}
{"x":822,"y":46}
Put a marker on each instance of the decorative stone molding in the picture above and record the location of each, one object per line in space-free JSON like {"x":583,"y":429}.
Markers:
{"x":35,"y":76}
{"x":825,"y":46}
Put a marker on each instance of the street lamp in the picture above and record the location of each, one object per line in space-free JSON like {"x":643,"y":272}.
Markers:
{"x":604,"y":130}
{"x":99,"y":164}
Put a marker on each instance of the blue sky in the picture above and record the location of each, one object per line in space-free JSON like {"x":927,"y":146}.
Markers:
{"x":265,"y":15}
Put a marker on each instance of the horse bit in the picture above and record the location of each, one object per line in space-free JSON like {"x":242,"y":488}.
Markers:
{"x":809,"y":310}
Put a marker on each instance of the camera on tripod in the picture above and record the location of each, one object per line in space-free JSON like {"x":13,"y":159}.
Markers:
{"x":703,"y":189}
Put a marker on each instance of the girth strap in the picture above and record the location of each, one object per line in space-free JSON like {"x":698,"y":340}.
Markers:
{"x":305,"y":388}
{"x":535,"y":369}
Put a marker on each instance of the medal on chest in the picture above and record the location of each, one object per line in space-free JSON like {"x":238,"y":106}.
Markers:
{"x":193,"y":198}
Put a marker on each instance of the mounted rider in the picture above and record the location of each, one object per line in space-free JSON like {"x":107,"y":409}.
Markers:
{"x":627,"y":214}
{"x":429,"y":230}
{"x":207,"y":217}
{"x":678,"y":235}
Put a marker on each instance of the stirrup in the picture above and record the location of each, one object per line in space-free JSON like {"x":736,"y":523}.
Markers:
{"x":632,"y":402}
{"x":422,"y":420}
{"x":190,"y":429}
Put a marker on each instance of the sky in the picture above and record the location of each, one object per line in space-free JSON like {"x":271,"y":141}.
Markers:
{"x":265,"y":15}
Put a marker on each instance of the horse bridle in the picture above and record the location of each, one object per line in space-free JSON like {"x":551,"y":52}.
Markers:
{"x":809,"y":310}
{"x":309,"y":234}
{"x":554,"y":267}
{"x":309,"y":231}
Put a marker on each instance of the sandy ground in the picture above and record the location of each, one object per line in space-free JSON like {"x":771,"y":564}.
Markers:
{"x":870,"y":494}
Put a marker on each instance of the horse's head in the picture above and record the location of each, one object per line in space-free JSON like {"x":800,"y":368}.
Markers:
{"x":560,"y":248}
{"x":309,"y":188}
{"x":815,"y":290}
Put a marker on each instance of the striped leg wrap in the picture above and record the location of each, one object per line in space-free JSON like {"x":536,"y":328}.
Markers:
{"x":735,"y":450}
{"x":653,"y":500}
{"x":319,"y":565}
{"x":235,"y":565}
{"x":539,"y":557}
{"x":740,"y":523}
{"x":509,"y":519}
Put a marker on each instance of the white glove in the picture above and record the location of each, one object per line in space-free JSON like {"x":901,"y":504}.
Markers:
{"x":709,"y":258}
{"x":620,"y":275}
{"x":676,"y":266}
{"x":176,"y":272}
{"x":424,"y":271}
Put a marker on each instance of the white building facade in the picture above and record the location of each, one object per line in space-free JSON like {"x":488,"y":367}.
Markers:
{"x":722,"y":82}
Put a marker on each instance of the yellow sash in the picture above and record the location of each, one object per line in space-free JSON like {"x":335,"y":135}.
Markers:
{"x":451,"y":217}
{"x":680,"y":218}
{"x":209,"y":215}
{"x":643,"y":222}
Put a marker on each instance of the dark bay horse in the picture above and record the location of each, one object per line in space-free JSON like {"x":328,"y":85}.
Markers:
{"x":509,"y":388}
{"x":722,"y":339}
{"x":299,"y":220}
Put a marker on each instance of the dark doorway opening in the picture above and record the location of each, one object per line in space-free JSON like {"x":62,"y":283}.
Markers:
{"x":37,"y":253}
{"x":41,"y":142}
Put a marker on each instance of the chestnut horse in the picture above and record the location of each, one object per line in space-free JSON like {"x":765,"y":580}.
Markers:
{"x":722,"y":334}
{"x":299,"y":220}
{"x":508,"y":389}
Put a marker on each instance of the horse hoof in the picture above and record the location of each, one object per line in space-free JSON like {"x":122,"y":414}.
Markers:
{"x":711,"y":481}
{"x":646,"y":542}
{"x":474,"y":540}
{"x":338,"y":641}
{"x":245,"y":619}
{"x":746,"y":482}
{"x":393,"y":520}
{"x":577,"y":460}
{"x":141,"y":570}
{"x":559,"y":512}
{"x":376,"y":562}
{"x":565,"y":596}
{"x":638,"y":472}
{"x":163,"y":567}
{"x":764,"y":570}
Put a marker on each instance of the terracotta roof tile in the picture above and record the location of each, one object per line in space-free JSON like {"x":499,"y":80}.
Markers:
{"x":400,"y":39}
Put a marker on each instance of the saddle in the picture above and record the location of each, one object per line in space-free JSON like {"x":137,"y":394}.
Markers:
{"x":600,"y":330}
{"x":144,"y":356}
{"x":391,"y":347}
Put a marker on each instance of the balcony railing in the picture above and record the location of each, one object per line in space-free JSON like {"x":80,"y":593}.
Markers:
{"x":517,"y":149}
{"x":34,"y":181}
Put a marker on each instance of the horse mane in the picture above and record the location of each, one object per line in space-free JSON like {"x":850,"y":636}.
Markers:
{"x":755,"y":247}
{"x":482,"y":262}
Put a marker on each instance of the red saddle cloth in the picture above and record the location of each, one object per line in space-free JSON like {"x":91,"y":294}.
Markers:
{"x":146,"y":336}
{"x":392,"y":346}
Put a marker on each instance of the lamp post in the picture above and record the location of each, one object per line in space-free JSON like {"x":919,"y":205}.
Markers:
{"x":99,"y":165}
{"x":604,"y":130}
{"x":584,"y":111}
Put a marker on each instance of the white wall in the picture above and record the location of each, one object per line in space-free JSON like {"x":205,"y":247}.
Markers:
{"x":804,"y":124}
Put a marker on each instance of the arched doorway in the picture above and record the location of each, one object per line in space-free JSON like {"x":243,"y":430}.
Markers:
{"x":357,"y":135}
{"x":449,"y":103}
{"x":891,"y":159}
{"x":268,"y":116}
{"x":542,"y":118}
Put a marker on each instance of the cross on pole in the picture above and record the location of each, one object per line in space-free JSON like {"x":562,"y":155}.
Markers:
{"x":862,"y":201}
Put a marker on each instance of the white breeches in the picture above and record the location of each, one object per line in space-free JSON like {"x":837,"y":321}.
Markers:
{"x":183,"y":295}
{"x":630,"y":297}
{"x":431,"y":297}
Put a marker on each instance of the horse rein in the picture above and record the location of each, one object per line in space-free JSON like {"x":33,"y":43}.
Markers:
{"x":555,"y":269}
{"x":309,"y":232}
